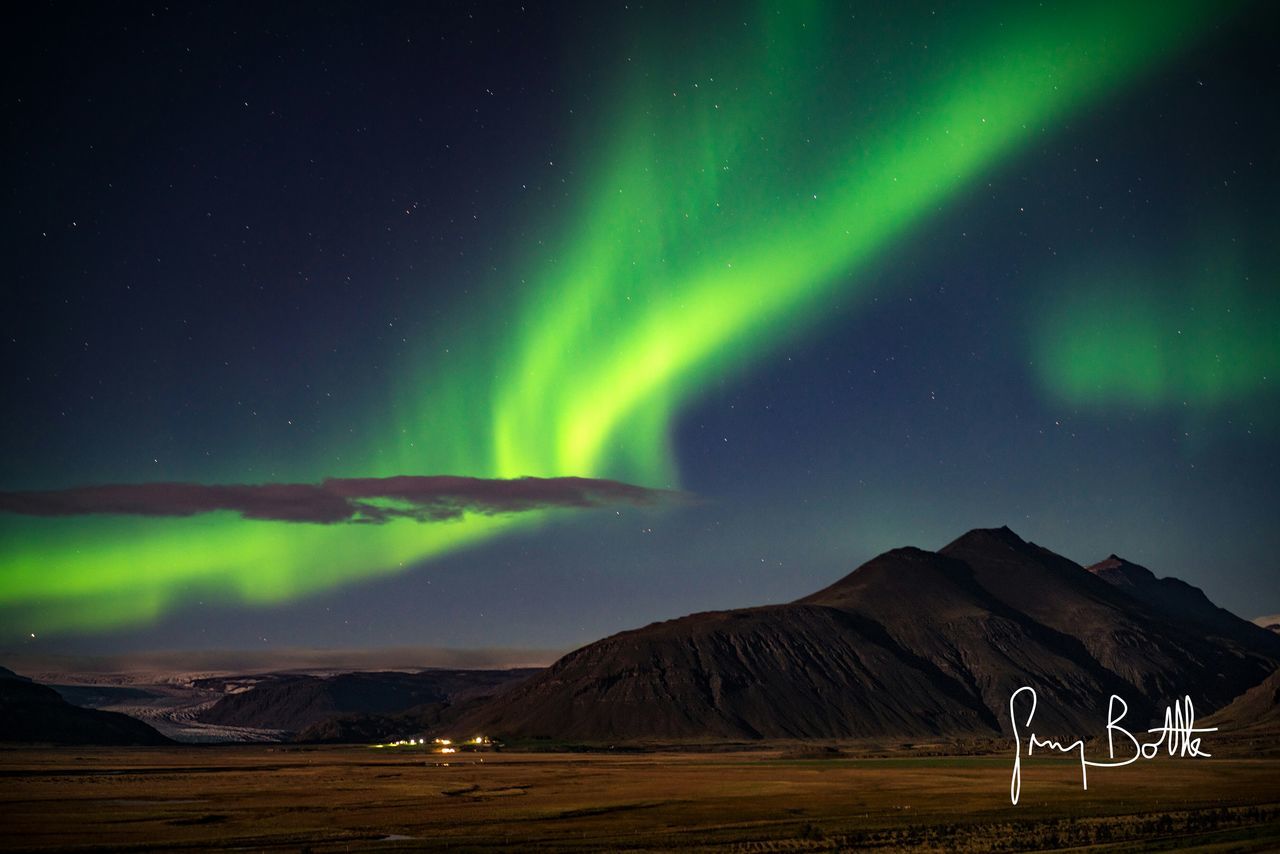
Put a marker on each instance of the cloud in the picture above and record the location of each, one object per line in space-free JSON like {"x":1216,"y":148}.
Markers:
{"x":368,"y":500}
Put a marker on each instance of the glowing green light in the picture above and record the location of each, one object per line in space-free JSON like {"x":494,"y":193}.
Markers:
{"x":1148,"y":343}
{"x":729,"y":206}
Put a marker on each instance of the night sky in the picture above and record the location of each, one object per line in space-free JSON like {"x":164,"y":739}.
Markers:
{"x":821,"y":280}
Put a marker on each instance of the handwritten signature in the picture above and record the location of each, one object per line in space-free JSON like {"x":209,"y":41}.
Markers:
{"x":1179,"y":730}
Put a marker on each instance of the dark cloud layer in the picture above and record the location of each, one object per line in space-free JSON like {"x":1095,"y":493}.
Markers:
{"x":360,"y":500}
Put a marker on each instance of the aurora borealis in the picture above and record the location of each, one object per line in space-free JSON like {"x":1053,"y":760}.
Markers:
{"x":669,"y":204}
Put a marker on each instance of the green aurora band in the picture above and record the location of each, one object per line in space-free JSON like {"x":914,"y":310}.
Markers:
{"x":1207,"y":336}
{"x":722,"y":221}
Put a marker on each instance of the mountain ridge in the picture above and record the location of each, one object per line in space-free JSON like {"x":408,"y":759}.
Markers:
{"x":911,"y":643}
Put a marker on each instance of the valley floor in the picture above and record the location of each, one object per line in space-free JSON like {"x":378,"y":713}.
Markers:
{"x":286,"y":798}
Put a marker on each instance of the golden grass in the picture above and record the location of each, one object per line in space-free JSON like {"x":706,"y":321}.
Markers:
{"x":339,"y":799}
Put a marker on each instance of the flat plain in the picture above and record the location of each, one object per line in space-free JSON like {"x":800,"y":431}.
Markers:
{"x":286,"y":798}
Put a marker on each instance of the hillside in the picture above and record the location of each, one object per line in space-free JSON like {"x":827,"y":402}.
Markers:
{"x":35,"y":714}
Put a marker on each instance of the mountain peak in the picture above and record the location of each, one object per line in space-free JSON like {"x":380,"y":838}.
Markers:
{"x":1121,"y":572}
{"x":986,"y":536}
{"x":891,"y":574}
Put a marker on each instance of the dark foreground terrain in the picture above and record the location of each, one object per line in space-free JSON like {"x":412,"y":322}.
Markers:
{"x":339,"y":799}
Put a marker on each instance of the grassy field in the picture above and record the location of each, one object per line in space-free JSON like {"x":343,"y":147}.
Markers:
{"x":341,"y":799}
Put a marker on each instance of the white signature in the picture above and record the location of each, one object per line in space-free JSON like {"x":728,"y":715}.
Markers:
{"x":1179,"y":729}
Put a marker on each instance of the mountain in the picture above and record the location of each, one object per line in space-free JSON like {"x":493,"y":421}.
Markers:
{"x":34,"y":714}
{"x":293,"y":703}
{"x":1158,"y":653}
{"x":912,"y":643}
{"x":1270,"y":622}
{"x":1175,"y":598}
